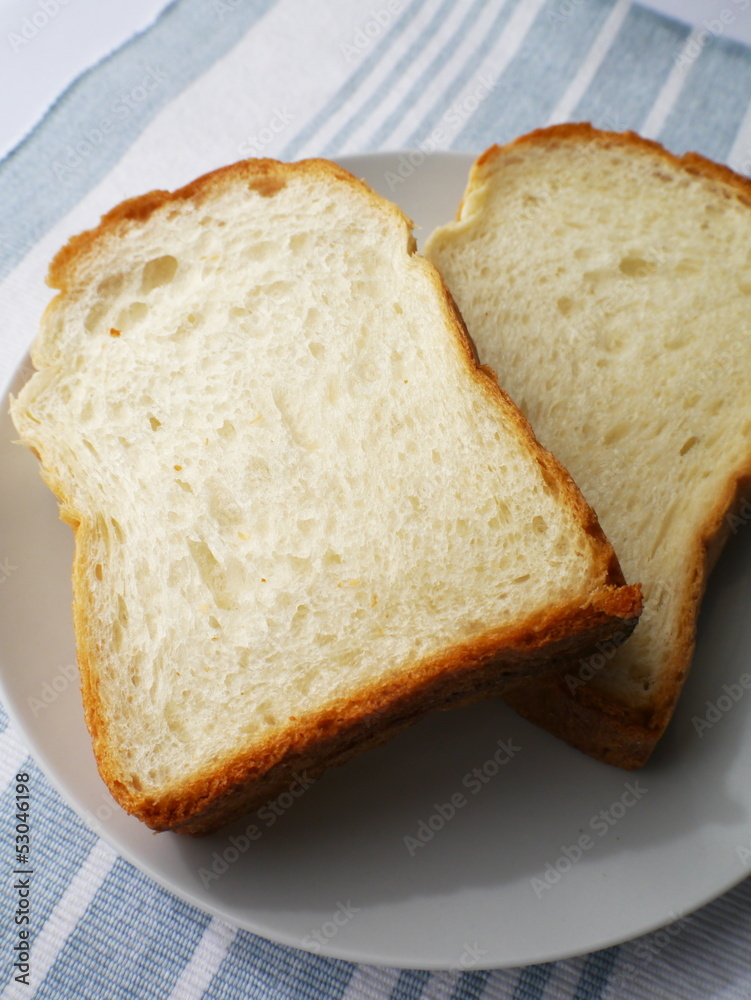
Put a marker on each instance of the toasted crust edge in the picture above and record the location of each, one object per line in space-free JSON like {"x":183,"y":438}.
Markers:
{"x":461,"y":674}
{"x":586,"y":718}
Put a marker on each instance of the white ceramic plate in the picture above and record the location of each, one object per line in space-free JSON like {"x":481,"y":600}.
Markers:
{"x":331,"y":870}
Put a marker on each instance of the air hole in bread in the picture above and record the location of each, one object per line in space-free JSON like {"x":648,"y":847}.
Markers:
{"x":122,"y":611}
{"x":95,"y":315}
{"x":211,"y":573}
{"x":261,"y":250}
{"x":635,"y":266}
{"x":157,"y":272}
{"x":300,"y":617}
{"x":616,"y":432}
{"x":331,"y":558}
{"x":300,"y":242}
{"x":687,"y":266}
{"x":552,"y":484}
{"x":155,"y":423}
{"x":131,"y":315}
{"x":688,"y":445}
{"x":676,"y":343}
{"x":111,"y":285}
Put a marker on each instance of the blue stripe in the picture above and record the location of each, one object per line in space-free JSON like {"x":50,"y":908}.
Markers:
{"x":532,"y":982}
{"x":426,"y":79}
{"x":530,"y":87}
{"x":255,"y":969}
{"x":644,"y":50}
{"x":595,"y":974}
{"x":393,"y":80}
{"x":471,"y":986}
{"x":345,"y":92}
{"x":409,"y":985}
{"x":714,"y":99}
{"x":96,"y":120}
{"x":108,"y":954}
{"x":60,"y":843}
{"x":443,"y":106}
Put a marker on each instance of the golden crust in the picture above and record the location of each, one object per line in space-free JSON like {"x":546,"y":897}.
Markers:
{"x":586,"y":717}
{"x":459,"y":675}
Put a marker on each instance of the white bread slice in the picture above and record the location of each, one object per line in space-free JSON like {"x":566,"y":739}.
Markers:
{"x":608,"y":284}
{"x":304,"y":515}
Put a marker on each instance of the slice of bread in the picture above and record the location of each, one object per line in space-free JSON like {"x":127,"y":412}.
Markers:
{"x":304,"y":515}
{"x":608,"y":284}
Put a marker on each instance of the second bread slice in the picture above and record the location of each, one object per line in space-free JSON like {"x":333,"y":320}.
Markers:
{"x":608,"y":283}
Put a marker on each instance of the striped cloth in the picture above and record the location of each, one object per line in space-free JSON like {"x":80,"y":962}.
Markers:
{"x":214,"y":80}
